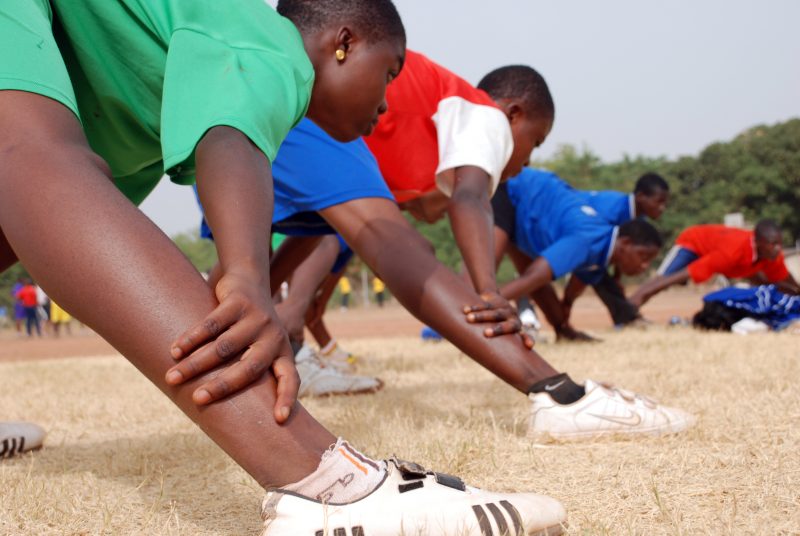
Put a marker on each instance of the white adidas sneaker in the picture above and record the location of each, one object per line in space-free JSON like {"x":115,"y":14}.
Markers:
{"x":316,"y":379}
{"x":19,"y":437}
{"x":414,"y":502}
{"x":603,"y":411}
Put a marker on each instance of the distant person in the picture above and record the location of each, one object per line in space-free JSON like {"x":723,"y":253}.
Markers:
{"x":19,"y":437}
{"x":19,"y":309}
{"x":548,"y":221}
{"x":379,"y":290}
{"x":28,"y":296}
{"x":649,"y":199}
{"x":58,"y":318}
{"x":702,"y":251}
{"x":345,"y":289}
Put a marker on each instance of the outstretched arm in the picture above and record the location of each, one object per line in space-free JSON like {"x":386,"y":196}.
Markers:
{"x":388,"y":244}
{"x":656,"y":285}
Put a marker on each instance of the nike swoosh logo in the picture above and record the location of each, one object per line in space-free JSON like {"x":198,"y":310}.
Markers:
{"x":632,"y":419}
{"x":554,"y":387}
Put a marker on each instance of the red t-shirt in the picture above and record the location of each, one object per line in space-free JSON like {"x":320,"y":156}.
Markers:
{"x":727,"y":251}
{"x":27,"y":295}
{"x":435,"y":123}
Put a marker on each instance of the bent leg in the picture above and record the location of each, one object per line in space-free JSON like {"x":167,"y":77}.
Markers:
{"x":118,"y":273}
{"x":380,"y":235}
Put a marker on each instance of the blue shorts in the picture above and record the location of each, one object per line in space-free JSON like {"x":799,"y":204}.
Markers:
{"x":676,"y":260}
{"x":312,"y":172}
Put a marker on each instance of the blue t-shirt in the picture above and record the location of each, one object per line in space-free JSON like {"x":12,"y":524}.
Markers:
{"x":311,"y":172}
{"x":553,"y":222}
{"x":615,"y":207}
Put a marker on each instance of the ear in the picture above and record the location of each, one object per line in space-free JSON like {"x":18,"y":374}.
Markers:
{"x":513,"y":109}
{"x":345,"y":38}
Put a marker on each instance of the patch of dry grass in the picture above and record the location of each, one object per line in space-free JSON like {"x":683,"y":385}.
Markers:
{"x":121,"y":460}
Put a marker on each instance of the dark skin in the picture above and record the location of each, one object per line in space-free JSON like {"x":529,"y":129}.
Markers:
{"x":162,"y":302}
{"x":768,"y":246}
{"x":240,"y":323}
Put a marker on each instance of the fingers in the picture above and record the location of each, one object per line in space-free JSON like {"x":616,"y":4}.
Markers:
{"x":503,"y":328}
{"x":527,"y":340}
{"x":232,"y":379}
{"x":228,"y":345}
{"x":492,"y":315}
{"x":288,"y":386}
{"x":476,"y":308}
{"x":220,"y":319}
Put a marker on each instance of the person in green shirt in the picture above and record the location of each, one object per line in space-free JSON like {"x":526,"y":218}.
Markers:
{"x":98,"y":101}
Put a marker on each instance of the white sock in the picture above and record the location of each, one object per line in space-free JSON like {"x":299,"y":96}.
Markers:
{"x":344,"y":475}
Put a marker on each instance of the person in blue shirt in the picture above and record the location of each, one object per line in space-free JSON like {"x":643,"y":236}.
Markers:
{"x":555,"y":232}
{"x":649,"y":199}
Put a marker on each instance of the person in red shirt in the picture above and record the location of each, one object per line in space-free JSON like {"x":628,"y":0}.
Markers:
{"x":701,"y":251}
{"x":441,"y":134}
{"x":28,"y":297}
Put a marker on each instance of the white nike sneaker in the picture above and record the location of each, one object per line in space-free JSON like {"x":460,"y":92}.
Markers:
{"x":412,"y":501}
{"x":318,"y":380}
{"x":338,"y":358}
{"x":603,"y":411}
{"x":19,"y":437}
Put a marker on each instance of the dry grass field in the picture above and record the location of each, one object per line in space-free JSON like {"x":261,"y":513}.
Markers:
{"x":119,"y":459}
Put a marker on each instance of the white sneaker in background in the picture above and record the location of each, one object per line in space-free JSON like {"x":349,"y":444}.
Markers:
{"x":749,"y":325}
{"x":603,"y":411}
{"x":316,"y":379}
{"x":412,"y":501}
{"x":19,"y":437}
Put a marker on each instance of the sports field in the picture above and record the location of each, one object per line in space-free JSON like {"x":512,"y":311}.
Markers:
{"x":119,"y":459}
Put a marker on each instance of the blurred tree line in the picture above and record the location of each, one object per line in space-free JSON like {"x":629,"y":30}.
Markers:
{"x":757,"y":173}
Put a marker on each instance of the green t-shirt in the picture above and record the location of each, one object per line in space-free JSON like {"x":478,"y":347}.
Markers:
{"x":152,"y":76}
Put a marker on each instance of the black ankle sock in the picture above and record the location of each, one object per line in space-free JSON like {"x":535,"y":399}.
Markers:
{"x":560,"y":387}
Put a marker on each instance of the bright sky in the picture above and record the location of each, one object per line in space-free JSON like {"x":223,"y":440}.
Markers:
{"x":627,"y":76}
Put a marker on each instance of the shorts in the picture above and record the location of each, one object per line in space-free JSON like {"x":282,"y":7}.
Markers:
{"x":36,"y":64}
{"x":676,"y":260}
{"x":505,"y":215}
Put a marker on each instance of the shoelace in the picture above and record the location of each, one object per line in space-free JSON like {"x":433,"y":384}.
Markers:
{"x":629,"y":396}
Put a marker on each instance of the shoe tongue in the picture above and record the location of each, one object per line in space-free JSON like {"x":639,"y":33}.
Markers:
{"x":590,"y":385}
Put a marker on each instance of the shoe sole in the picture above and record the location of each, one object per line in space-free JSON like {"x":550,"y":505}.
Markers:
{"x":588,"y":435}
{"x":369,"y":390}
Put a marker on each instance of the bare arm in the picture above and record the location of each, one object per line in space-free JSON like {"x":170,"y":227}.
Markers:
{"x":471,"y":218}
{"x":656,"y":285}
{"x":388,"y":244}
{"x":537,"y":275}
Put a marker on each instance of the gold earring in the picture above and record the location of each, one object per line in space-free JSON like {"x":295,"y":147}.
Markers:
{"x":340,"y":54}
